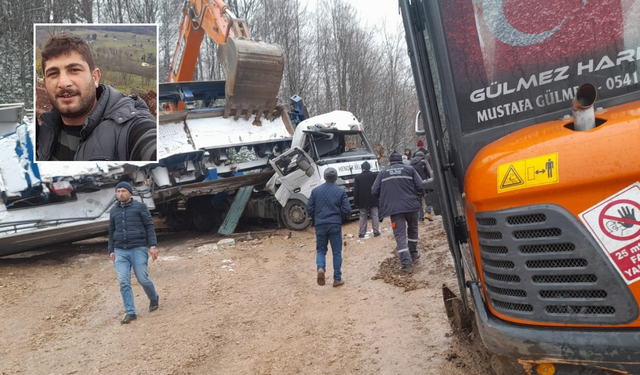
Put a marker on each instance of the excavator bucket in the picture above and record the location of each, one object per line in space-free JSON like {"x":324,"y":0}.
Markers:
{"x":254,"y":72}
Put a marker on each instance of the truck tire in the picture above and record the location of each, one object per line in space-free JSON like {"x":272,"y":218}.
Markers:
{"x":294,"y":215}
{"x":201,"y":215}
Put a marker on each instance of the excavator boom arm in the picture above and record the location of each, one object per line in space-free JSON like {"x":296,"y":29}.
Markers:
{"x":212,"y":17}
{"x":253,"y":69}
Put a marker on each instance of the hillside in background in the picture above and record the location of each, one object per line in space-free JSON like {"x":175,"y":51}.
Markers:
{"x":126,"y":59}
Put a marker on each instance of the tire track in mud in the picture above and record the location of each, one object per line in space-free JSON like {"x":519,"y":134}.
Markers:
{"x":277,"y":316}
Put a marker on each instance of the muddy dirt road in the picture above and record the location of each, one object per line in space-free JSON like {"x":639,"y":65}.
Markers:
{"x":252,"y":308}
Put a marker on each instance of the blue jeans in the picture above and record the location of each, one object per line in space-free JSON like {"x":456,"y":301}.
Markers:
{"x":125,"y":260}
{"x":323,"y":237}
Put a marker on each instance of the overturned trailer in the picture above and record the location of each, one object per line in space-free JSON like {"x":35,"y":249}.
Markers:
{"x":49,"y":203}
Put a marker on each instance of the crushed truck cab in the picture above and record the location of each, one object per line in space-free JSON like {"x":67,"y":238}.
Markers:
{"x":331,"y":140}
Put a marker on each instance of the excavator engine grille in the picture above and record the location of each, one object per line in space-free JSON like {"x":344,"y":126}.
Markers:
{"x":540,"y":264}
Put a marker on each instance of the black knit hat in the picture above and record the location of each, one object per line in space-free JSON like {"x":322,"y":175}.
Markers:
{"x":366,"y":166}
{"x":330,"y":175}
{"x":395,"y":157}
{"x":125,"y":185}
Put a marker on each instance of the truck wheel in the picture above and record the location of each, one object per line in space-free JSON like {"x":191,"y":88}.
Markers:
{"x":294,"y":215}
{"x":201,"y":215}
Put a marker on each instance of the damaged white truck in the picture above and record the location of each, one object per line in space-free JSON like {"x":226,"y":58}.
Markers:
{"x":207,"y":164}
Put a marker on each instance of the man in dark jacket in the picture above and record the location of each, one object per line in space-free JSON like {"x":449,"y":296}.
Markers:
{"x":363,"y":199}
{"x":424,"y":170}
{"x":329,"y":206}
{"x":89,"y":121}
{"x":421,"y":148}
{"x":398,"y":187}
{"x":131,"y":235}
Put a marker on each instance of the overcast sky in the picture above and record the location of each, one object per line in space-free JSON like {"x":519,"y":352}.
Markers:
{"x":374,"y":11}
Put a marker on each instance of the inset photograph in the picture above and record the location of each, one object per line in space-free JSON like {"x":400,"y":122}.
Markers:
{"x":96,"y":92}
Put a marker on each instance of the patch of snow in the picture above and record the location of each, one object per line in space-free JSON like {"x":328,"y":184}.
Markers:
{"x":169,"y":258}
{"x":226,"y":242}
{"x":218,"y":131}
{"x":172,"y":139}
{"x":341,"y":120}
{"x":16,"y":172}
{"x":207,"y":248}
{"x":212,"y":132}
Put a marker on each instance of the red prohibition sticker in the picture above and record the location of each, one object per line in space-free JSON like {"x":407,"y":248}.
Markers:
{"x":625,"y":223}
{"x":615,"y":224}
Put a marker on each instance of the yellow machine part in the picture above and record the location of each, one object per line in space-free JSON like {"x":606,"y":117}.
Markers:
{"x":253,"y":74}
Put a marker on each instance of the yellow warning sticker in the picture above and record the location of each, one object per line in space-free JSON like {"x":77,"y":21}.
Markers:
{"x":526,"y":173}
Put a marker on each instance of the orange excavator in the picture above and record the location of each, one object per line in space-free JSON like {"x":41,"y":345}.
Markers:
{"x":531,"y":110}
{"x":253,"y":68}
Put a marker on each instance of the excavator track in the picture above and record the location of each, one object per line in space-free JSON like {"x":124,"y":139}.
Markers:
{"x":253,"y":74}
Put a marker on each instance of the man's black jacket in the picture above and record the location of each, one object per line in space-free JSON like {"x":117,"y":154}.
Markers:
{"x":130,"y":225}
{"x":362,"y":197}
{"x":105,"y":132}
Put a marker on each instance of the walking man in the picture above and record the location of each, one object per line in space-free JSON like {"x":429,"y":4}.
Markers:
{"x":131,"y":235}
{"x":398,"y":187}
{"x":329,"y":206}
{"x":366,"y":202}
{"x":424,"y":170}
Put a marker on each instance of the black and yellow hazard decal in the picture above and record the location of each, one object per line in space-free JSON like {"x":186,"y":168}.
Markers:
{"x":525,"y":173}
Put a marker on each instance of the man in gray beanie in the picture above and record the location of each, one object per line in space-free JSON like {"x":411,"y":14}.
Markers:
{"x":398,"y":187}
{"x":329,"y":206}
{"x":131,"y":235}
{"x":366,"y":202}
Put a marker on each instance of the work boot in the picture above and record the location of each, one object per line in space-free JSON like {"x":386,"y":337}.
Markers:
{"x":153,"y":306}
{"x":428,"y":217}
{"x":406,"y":269}
{"x":128,"y":318}
{"x":320,"y":276}
{"x":361,"y":236}
{"x":337,"y":283}
{"x":376,"y":234}
{"x":415,"y":259}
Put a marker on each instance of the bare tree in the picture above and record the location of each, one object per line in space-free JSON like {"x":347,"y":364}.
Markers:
{"x":143,"y":11}
{"x":16,"y":69}
{"x":168,"y":20}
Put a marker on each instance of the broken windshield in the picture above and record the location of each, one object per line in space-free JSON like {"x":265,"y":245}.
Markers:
{"x":332,"y":145}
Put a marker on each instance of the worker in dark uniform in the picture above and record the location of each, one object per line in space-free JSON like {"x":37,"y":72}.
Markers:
{"x":398,"y":187}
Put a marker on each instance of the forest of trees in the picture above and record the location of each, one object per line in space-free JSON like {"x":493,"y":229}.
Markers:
{"x":332,"y":59}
